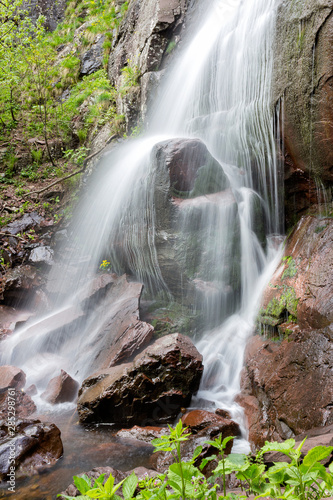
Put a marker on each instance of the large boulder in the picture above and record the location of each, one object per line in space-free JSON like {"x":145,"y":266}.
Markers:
{"x":190,"y":188}
{"x":152,"y":389}
{"x":33,"y":446}
{"x":303,"y":72}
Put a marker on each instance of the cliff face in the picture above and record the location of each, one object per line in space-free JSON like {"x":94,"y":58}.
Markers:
{"x":146,"y":38}
{"x":53,"y":11}
{"x":303,"y":82}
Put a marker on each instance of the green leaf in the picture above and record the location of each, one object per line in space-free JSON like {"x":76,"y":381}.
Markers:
{"x":285,"y":447}
{"x":83,"y":483}
{"x":95,"y":493}
{"x":99,"y":481}
{"x":129,"y":486}
{"x":197,"y":452}
{"x":317,"y":454}
{"x":237,"y":460}
{"x":109,"y":484}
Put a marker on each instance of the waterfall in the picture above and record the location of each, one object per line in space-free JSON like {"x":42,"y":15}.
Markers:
{"x":218,"y":91}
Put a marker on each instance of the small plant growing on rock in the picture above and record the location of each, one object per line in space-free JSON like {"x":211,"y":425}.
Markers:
{"x":105,"y":266}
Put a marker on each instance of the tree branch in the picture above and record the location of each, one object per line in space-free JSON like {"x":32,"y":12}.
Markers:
{"x":72,"y":174}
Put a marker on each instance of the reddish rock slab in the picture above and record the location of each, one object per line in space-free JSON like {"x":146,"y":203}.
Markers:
{"x":292,"y":382}
{"x":122,"y":334}
{"x":37,"y":446}
{"x":11,"y":377}
{"x":152,"y":389}
{"x":61,"y":389}
{"x":198,"y":420}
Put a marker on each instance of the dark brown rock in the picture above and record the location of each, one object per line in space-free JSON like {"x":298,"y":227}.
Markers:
{"x":27,"y":221}
{"x":151,"y":389}
{"x":61,"y":389}
{"x":19,"y":283}
{"x":197,"y":420}
{"x":37,"y":446}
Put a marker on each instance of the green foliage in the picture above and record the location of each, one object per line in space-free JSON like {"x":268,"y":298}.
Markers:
{"x":291,"y":268}
{"x":101,"y":490}
{"x":131,"y":76}
{"x":76,"y":156}
{"x":171,"y":45}
{"x":306,"y":479}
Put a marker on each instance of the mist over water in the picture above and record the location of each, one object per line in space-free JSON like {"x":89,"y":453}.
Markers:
{"x":219,"y":91}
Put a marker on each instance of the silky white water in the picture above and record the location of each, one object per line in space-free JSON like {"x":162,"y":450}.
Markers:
{"x":219,"y":91}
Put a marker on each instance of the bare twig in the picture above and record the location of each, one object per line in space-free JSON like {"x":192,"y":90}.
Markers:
{"x":12,"y":235}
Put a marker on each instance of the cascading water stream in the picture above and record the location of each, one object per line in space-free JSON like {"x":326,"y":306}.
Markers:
{"x":219,"y":92}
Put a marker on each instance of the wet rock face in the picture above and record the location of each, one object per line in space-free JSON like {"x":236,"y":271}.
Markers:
{"x":36,"y":445}
{"x":287,"y":384}
{"x":152,"y":389}
{"x":288,"y":387}
{"x":302,"y":286}
{"x":303,"y":76}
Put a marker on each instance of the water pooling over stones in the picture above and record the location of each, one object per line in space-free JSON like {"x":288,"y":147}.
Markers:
{"x":200,"y":234}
